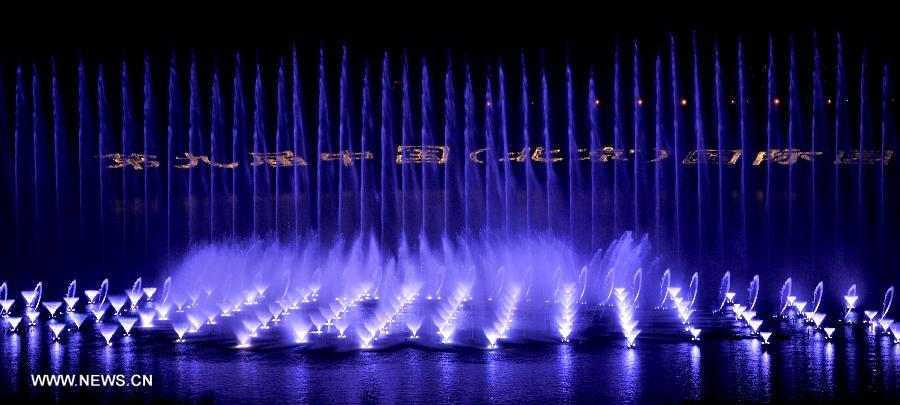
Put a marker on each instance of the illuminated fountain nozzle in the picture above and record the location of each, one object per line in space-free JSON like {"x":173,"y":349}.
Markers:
{"x":180,"y":328}
{"x":695,"y":333}
{"x":492,"y":339}
{"x":5,"y":305}
{"x":77,"y":319}
{"x":765,"y":337}
{"x":117,"y":302}
{"x":738,"y":310}
{"x":91,"y":295}
{"x":14,"y":322}
{"x":748,"y":316}
{"x":729,"y":297}
{"x":818,"y":318}
{"x":29,"y":297}
{"x":134,"y":297}
{"x":70,"y":303}
{"x":895,"y":331}
{"x":684,"y":312}
{"x":620,"y":293}
{"x":52,"y":307}
{"x":755,"y":324}
{"x":146,"y":315}
{"x":828,"y":332}
{"x":791,"y":299}
{"x":800,"y":305}
{"x":630,"y":338}
{"x":108,"y":330}
{"x":149,"y":291}
{"x":163,"y":311}
{"x":32,"y":316}
{"x":851,"y":300}
{"x":885,"y":323}
{"x":127,"y":323}
{"x":870,"y":315}
{"x":673,"y":291}
{"x":56,"y":328}
{"x":99,"y":312}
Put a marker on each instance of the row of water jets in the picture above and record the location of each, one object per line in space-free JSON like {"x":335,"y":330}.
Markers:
{"x":301,"y":313}
{"x":229,"y":195}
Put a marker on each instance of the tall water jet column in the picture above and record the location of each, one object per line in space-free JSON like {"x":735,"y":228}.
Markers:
{"x":301,"y":185}
{"x":677,"y":104}
{"x":388,"y":168}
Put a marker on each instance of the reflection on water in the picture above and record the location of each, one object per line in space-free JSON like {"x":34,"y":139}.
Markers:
{"x":857,"y":364}
{"x":765,"y":386}
{"x":694,"y":382}
{"x":630,"y":369}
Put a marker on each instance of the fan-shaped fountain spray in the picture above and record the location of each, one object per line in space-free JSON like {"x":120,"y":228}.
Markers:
{"x":33,"y":297}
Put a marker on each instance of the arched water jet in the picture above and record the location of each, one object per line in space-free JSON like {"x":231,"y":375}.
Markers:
{"x":558,"y":278}
{"x":33,"y":297}
{"x":785,"y":293}
{"x":636,"y":283}
{"x":817,"y":296}
{"x":136,"y":292}
{"x":851,"y":297}
{"x":530,"y":280}
{"x":609,"y":284}
{"x":753,"y":293}
{"x":71,"y":297}
{"x":501,"y":274}
{"x":443,"y":274}
{"x":166,"y":291}
{"x":664,"y":287}
{"x":5,"y":302}
{"x":888,"y":300}
{"x":724,"y":289}
{"x":286,"y":282}
{"x":695,"y":288}
{"x":582,"y":279}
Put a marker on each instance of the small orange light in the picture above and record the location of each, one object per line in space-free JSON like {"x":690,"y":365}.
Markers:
{"x":597,"y":101}
{"x":640,"y":101}
{"x":488,"y":103}
{"x":828,"y":101}
{"x":733,"y":101}
{"x":777,"y":101}
{"x":683,"y":101}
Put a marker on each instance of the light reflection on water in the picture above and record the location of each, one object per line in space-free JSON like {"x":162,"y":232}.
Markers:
{"x":694,"y":391}
{"x":803,"y":367}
